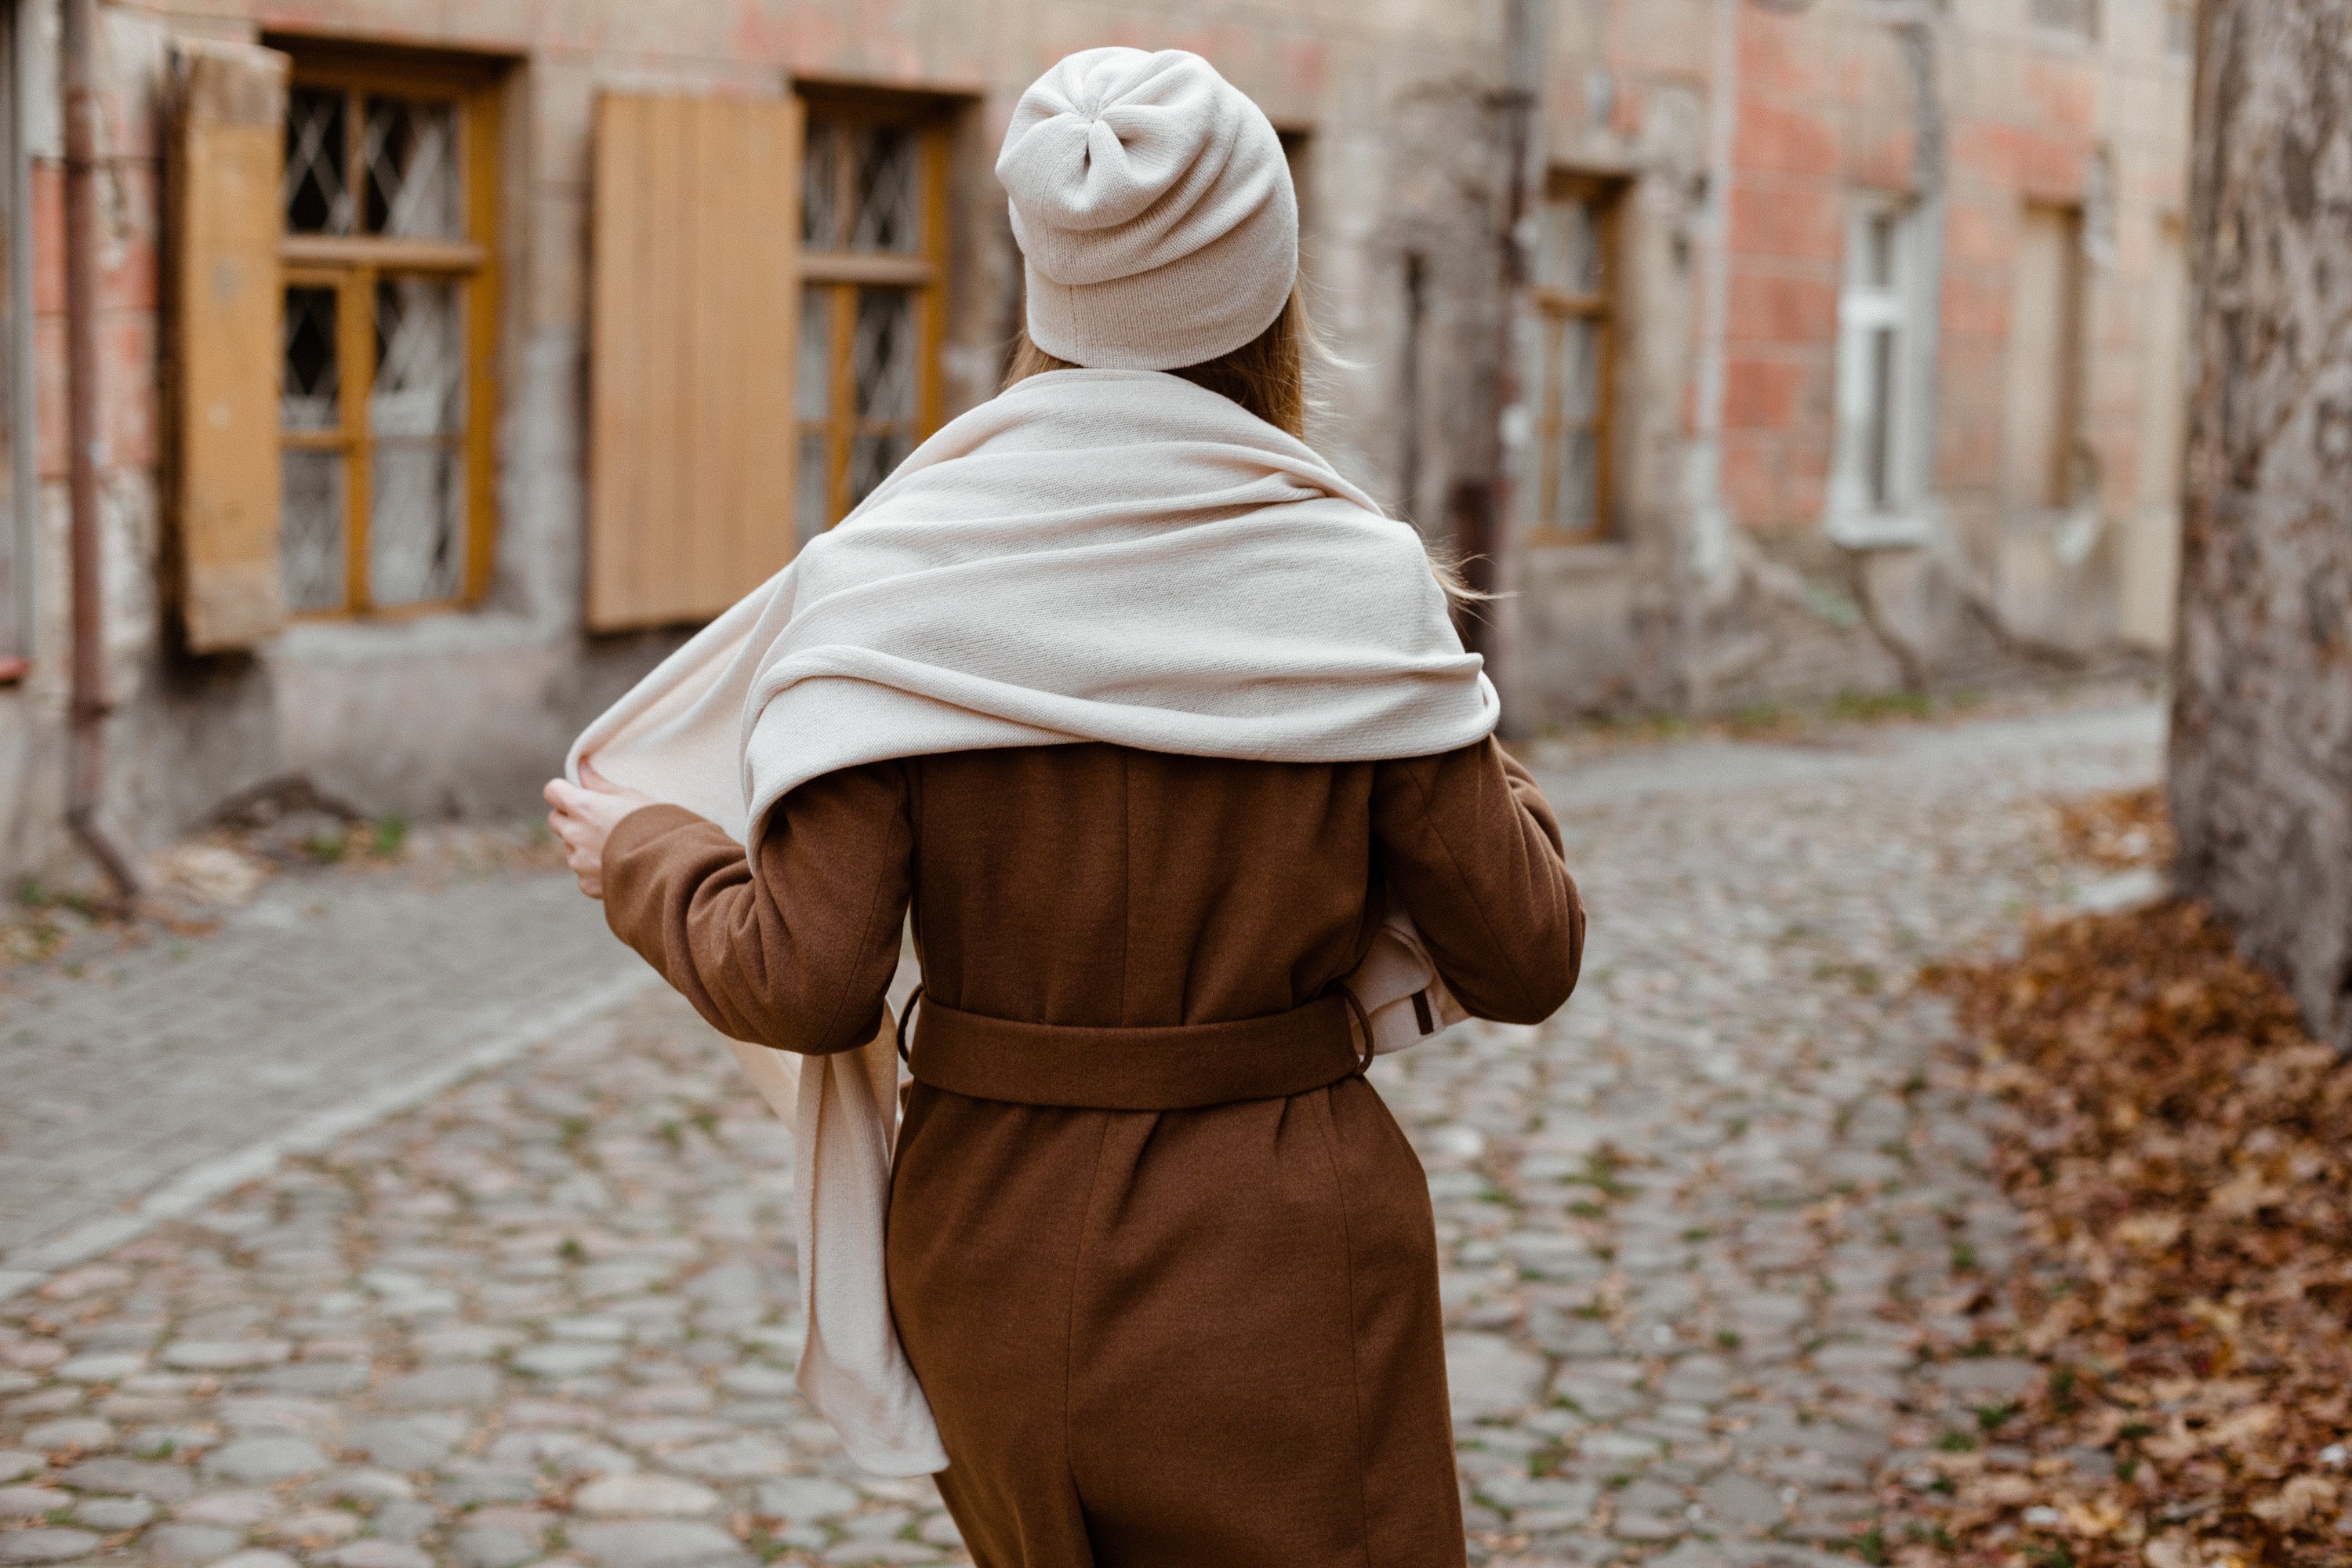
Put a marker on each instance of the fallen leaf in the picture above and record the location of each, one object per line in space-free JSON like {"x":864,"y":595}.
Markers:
{"x":2179,"y":1151}
{"x":2151,"y":1232}
{"x":2297,"y":1503}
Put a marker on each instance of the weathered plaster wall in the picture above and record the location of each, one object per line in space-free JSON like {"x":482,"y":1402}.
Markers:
{"x":468,"y":713}
{"x":1598,"y":627}
{"x":2014,"y":114}
{"x":1405,"y":174}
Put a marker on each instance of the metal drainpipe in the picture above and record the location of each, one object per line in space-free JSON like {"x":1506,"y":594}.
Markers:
{"x":86,"y":764}
{"x":1523,"y":40}
{"x":1708,"y":568}
{"x":1707,"y":550}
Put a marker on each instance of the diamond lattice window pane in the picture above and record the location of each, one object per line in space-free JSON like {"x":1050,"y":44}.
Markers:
{"x":1574,"y":460}
{"x":311,"y":380}
{"x":410,"y":155}
{"x":1579,"y":371}
{"x":887,"y":207}
{"x":813,"y":506}
{"x":821,"y":187}
{"x":316,"y":191}
{"x":815,"y":393}
{"x":310,"y":532}
{"x":1882,"y":250}
{"x":1879,"y":443}
{"x":417,"y":413}
{"x":416,"y":524}
{"x":1567,"y":255}
{"x":871,"y":458}
{"x":860,"y":188}
{"x":419,"y":360}
{"x":1579,"y":479}
{"x":882,"y":356}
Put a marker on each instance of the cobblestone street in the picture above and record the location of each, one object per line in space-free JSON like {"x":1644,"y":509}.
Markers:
{"x":146,"y":1076}
{"x":1712,"y":1237}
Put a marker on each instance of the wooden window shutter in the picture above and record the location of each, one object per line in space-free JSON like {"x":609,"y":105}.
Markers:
{"x":227,"y":151}
{"x":696,"y":317}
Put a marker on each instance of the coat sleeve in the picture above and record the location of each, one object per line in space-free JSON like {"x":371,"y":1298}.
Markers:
{"x":798,"y":955}
{"x":1466,"y":842}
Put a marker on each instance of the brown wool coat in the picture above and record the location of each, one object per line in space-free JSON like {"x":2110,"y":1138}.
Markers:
{"x":1150,"y":1338}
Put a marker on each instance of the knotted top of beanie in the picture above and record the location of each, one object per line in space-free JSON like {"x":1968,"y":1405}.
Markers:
{"x":1154,"y":210}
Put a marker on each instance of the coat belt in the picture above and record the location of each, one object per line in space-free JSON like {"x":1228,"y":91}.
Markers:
{"x":1181,"y":1067}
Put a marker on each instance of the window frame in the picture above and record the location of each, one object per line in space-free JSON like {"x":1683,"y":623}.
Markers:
{"x":1555,"y":309}
{"x":2088,"y":27}
{"x":2066,"y":474}
{"x":1856,"y":516}
{"x":2180,"y":31}
{"x":353,"y":264}
{"x":921,"y":273}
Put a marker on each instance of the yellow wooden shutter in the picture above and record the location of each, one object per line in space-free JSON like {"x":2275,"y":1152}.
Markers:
{"x":228,"y":149}
{"x":697,"y":314}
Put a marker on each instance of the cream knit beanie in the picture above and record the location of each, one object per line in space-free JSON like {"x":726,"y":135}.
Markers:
{"x":1153,"y":208}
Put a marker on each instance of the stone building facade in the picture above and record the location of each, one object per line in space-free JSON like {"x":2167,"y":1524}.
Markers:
{"x":574,"y":316}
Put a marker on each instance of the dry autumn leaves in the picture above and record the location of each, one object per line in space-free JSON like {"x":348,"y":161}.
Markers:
{"x":2180,"y":1149}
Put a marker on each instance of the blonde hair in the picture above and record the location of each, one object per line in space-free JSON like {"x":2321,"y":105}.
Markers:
{"x":1267,"y":376}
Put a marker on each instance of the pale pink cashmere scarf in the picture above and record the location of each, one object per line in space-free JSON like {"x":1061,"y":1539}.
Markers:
{"x":1114,"y":556}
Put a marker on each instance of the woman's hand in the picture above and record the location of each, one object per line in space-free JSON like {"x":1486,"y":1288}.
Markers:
{"x":585,"y":816}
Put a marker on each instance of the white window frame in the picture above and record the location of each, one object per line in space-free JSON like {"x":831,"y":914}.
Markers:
{"x":1858,"y":515}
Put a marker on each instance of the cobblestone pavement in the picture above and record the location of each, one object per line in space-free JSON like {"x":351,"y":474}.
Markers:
{"x":164,"y":1065}
{"x":1704,"y":1235}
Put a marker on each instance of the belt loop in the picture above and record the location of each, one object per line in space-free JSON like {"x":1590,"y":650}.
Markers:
{"x":905,"y":1014}
{"x":1363,"y":1022}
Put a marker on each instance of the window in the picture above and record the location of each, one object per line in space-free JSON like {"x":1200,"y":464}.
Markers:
{"x":873,"y":254}
{"x":389,"y":202}
{"x":2078,"y":16}
{"x":2164,"y":395}
{"x":1575,"y":298}
{"x":2150,"y":560}
{"x":2045,"y":464}
{"x":1876,"y":475}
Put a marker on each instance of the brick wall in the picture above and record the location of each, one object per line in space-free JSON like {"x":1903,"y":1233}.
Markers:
{"x":1404,"y":169}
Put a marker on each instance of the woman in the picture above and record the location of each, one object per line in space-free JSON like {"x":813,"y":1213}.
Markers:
{"x":1152,"y":720}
